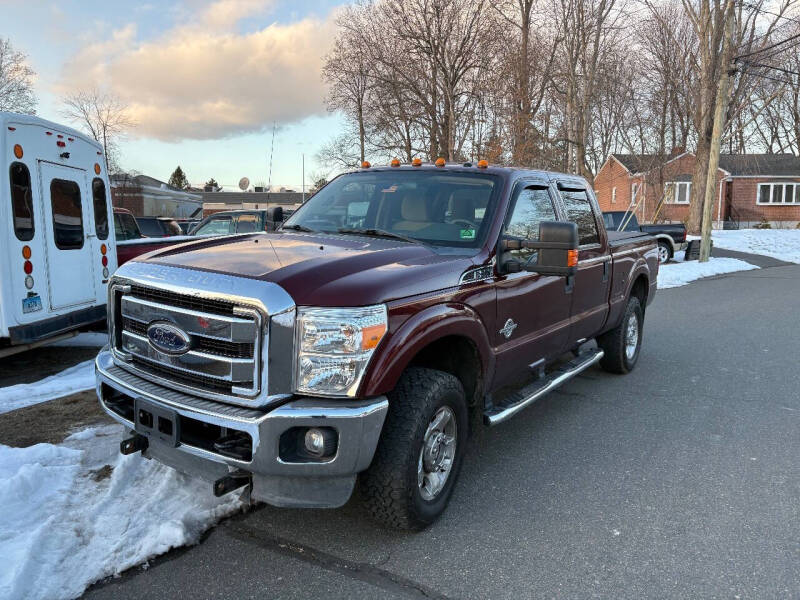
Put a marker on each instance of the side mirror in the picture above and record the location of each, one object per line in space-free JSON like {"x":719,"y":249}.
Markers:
{"x":557,"y":250}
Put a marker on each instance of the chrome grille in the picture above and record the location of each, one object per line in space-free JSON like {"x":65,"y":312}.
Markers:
{"x":224,"y":358}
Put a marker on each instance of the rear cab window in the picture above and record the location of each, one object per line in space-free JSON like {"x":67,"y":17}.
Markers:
{"x":218,"y":225}
{"x":21,"y":201}
{"x":579,"y":210}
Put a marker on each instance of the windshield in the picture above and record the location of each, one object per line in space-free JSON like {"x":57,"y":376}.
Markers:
{"x":434,"y":207}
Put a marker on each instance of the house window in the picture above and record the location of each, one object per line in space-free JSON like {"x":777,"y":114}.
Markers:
{"x":613,"y":195}
{"x":778,"y":193}
{"x":679,"y":192}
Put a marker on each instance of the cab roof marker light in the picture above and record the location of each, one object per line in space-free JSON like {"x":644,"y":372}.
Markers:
{"x":395,"y":162}
{"x":366,"y":164}
{"x":440,"y":162}
{"x":482,"y":164}
{"x":417,"y":162}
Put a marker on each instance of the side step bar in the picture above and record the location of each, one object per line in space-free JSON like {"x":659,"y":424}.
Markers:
{"x":532,"y":392}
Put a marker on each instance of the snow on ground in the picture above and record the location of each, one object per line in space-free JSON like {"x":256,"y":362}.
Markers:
{"x":64,"y":525}
{"x":75,"y":379}
{"x":783,"y":244}
{"x":87,"y":339}
{"x":675,"y":274}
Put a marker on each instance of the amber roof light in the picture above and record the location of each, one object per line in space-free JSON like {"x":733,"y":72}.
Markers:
{"x":395,"y":162}
{"x":417,"y":162}
{"x":482,"y":164}
{"x":440,"y":162}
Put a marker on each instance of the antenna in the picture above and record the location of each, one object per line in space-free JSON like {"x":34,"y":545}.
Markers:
{"x":271,"y":150}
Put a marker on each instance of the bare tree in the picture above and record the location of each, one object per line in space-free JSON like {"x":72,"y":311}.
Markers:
{"x":104,"y":116}
{"x":16,"y":80}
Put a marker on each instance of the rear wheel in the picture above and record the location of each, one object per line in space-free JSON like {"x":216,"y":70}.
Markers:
{"x":664,"y":252}
{"x":621,"y":345}
{"x":419,"y":455}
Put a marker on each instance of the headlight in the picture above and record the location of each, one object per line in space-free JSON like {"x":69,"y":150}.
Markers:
{"x":334,"y":346}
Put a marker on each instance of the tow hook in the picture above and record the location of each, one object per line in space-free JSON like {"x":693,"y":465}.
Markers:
{"x":232,"y":481}
{"x":132,"y":445}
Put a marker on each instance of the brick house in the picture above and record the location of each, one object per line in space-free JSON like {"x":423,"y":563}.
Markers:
{"x":751,"y":188}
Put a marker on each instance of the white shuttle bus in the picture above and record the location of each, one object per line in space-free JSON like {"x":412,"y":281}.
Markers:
{"x":57,"y":247}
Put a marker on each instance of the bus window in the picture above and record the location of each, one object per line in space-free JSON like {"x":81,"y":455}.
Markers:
{"x":100,"y":209}
{"x":21,"y":201}
{"x":65,"y":198}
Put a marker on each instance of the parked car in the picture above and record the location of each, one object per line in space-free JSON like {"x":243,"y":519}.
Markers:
{"x":671,"y":237}
{"x":187,"y":224}
{"x":357,"y":340}
{"x":56,"y":210}
{"x":239,"y":221}
{"x":158,"y":226}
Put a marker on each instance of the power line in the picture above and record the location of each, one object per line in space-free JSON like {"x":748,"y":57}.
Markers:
{"x":762,"y":65}
{"x":770,"y":47}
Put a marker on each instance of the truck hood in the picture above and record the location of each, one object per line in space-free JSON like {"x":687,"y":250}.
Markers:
{"x":324,"y":269}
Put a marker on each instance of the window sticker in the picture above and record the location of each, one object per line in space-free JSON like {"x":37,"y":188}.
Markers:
{"x":467,"y":234}
{"x":390,"y":189}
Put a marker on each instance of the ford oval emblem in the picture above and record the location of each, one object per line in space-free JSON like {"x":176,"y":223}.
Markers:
{"x":168,"y":339}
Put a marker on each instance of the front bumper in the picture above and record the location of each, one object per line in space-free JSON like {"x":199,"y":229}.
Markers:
{"x":275,"y":479}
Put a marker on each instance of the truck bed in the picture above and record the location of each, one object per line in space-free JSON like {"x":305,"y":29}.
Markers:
{"x":620,"y":239}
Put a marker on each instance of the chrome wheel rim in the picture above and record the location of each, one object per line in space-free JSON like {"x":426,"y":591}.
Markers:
{"x":631,"y":336}
{"x":663,"y":254}
{"x":438,"y":453}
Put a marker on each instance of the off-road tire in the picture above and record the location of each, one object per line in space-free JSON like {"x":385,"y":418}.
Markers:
{"x":389,"y":487}
{"x":613,"y":343}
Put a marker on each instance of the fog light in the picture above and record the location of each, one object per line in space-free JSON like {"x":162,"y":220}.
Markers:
{"x":320,"y":441}
{"x":29,"y":282}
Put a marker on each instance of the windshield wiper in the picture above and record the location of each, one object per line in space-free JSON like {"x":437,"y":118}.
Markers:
{"x":293,"y":227}
{"x":380,"y":233}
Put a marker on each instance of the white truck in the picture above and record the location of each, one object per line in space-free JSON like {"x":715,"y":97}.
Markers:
{"x":57,"y":246}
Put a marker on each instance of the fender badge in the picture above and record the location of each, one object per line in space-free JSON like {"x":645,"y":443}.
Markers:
{"x":508,"y":328}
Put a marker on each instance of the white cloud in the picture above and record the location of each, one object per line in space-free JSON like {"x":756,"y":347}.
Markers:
{"x":203,"y":79}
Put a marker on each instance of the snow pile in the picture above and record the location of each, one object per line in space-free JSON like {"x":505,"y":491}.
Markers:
{"x":75,"y":379}
{"x":86,"y":339}
{"x":680,"y":273}
{"x":66,"y":522}
{"x":783,"y":244}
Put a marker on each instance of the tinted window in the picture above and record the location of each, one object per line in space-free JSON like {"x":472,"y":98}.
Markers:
{"x":247,"y":224}
{"x":533,"y":205}
{"x":452,"y":209}
{"x":65,"y":199}
{"x":218,"y":226}
{"x":21,"y":201}
{"x":151,"y":227}
{"x":100,"y":209}
{"x":579,"y":211}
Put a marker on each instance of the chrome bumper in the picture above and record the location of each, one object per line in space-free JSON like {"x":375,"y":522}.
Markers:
{"x":275,"y":481}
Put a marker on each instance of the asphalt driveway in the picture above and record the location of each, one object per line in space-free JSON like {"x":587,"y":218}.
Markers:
{"x":678,"y":480}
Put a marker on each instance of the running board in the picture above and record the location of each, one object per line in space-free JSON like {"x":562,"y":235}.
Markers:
{"x":532,"y":392}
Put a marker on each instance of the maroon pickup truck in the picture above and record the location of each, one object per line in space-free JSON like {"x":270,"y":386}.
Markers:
{"x":356,"y":343}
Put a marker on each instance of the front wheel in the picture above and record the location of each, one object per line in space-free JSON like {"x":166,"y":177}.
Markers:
{"x":621,"y":345}
{"x":419,"y":455}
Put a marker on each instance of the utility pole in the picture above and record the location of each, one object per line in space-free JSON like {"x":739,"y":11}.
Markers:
{"x":304,"y":178}
{"x":720,"y":113}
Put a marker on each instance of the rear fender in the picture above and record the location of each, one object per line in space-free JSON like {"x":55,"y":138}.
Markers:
{"x":425,"y":327}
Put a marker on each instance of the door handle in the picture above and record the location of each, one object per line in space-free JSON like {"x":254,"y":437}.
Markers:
{"x":605,"y":270}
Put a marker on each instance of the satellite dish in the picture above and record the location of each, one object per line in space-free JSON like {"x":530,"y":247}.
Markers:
{"x":244,"y":183}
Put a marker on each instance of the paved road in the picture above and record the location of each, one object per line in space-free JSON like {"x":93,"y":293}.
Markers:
{"x":678,"y":480}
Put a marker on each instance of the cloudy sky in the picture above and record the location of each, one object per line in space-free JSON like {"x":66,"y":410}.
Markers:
{"x":205,"y":79}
